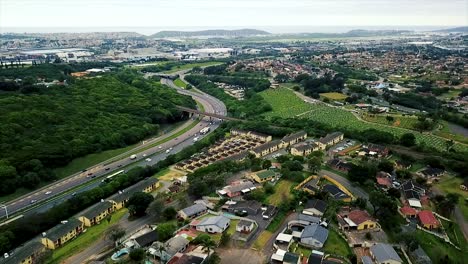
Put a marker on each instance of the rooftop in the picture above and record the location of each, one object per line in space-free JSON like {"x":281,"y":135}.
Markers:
{"x":194,"y":209}
{"x":427,"y":218}
{"x":384,"y":253}
{"x":96,"y":209}
{"x":62,"y":229}
{"x":265,"y":174}
{"x":23,"y":252}
{"x":315,"y":231}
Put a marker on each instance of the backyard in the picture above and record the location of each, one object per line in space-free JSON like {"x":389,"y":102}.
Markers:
{"x":336,"y":244}
{"x":262,"y":240}
{"x":282,"y":193}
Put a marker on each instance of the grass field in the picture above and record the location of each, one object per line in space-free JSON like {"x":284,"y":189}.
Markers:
{"x":447,"y":133}
{"x":437,"y":249}
{"x":452,"y":185}
{"x":85,"y":239}
{"x":336,"y":244}
{"x":168,"y":175}
{"x":262,"y":240}
{"x":455,"y":234}
{"x":282,"y":193}
{"x":334,"y":96}
{"x":180,"y":83}
{"x":286,"y":104}
{"x":192,"y":65}
{"x":399,"y":120}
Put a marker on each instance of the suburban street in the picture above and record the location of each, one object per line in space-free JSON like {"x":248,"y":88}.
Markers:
{"x":155,"y":153}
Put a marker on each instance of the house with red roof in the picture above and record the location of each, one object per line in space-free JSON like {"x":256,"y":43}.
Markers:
{"x":408,"y":212}
{"x":428,"y":220}
{"x":355,"y":220}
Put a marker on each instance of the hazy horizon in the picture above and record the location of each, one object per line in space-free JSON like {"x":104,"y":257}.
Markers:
{"x":293,"y":29}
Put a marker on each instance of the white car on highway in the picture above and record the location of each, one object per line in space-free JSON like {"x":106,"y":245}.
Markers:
{"x":148,"y":160}
{"x":48,"y":192}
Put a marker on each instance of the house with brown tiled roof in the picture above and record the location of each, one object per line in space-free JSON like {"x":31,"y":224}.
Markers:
{"x":355,"y":220}
{"x":427,"y":220}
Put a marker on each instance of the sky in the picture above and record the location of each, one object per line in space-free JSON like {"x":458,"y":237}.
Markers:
{"x":187,"y":14}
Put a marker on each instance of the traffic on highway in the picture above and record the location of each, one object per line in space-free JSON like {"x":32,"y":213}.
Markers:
{"x":45,"y":198}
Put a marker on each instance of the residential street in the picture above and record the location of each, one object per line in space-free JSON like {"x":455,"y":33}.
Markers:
{"x":103,"y":244}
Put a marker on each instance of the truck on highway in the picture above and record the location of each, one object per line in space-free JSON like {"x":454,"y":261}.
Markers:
{"x":132,"y":157}
{"x":205,"y":130}
{"x":195,"y":139}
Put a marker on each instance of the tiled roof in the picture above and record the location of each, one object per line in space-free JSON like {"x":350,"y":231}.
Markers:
{"x":317,"y":204}
{"x":294,"y":136}
{"x":20,"y":254}
{"x":406,"y":210}
{"x":194,"y":209}
{"x":265,"y":174}
{"x":315,"y":231}
{"x":62,"y":229}
{"x":384,"y":253}
{"x":96,"y":209}
{"x":359,"y":216}
{"x":427,"y":218}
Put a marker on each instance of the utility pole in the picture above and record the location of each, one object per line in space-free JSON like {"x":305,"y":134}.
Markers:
{"x":6,"y":210}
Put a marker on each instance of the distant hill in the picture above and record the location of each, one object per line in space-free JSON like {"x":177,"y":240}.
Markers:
{"x":456,"y":29}
{"x":210,"y":33}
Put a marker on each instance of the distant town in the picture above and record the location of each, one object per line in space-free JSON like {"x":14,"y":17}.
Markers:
{"x":234,"y":146}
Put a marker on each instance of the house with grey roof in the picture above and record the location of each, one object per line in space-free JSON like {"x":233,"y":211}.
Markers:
{"x":385,"y":254}
{"x":314,"y":236}
{"x":62,"y":233}
{"x":366,"y":260}
{"x":212,"y":224}
{"x":293,"y":138}
{"x":419,"y":256}
{"x":95,"y":214}
{"x":192,"y":211}
{"x":165,"y":251}
{"x":331,"y":139}
{"x":315,"y":207}
{"x":25,"y":254}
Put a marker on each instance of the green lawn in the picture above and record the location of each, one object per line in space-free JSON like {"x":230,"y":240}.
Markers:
{"x":334,"y":96}
{"x":437,"y":249}
{"x":455,"y":234}
{"x":303,"y":251}
{"x":282,"y":192}
{"x":232,"y":227}
{"x":85,"y":239}
{"x":452,"y":185}
{"x":446,"y":132}
{"x":336,"y":244}
{"x":399,"y":120}
{"x":276,"y":222}
{"x":192,"y":65}
{"x":262,"y":240}
{"x":286,"y":104}
{"x":180,"y":83}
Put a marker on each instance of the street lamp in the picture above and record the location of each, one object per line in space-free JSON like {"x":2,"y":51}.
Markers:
{"x":6,"y":210}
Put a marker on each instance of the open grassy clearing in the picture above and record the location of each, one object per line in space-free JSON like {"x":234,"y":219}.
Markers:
{"x":168,"y":175}
{"x":399,"y":120}
{"x":192,"y":65}
{"x":452,"y":185}
{"x":437,"y":249}
{"x":180,"y":83}
{"x":336,"y":244}
{"x":282,"y":193}
{"x":334,"y":96}
{"x":83,"y":241}
{"x":286,"y":104}
{"x":455,"y":234}
{"x":447,"y":133}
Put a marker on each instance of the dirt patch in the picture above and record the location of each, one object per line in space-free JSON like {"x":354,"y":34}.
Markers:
{"x":171,"y":175}
{"x":244,"y":256}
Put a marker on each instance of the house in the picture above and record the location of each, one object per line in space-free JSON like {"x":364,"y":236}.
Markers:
{"x":293,"y":138}
{"x":96,"y":213}
{"x":26,"y":254}
{"x":283,"y":240}
{"x":266,"y":148}
{"x":237,"y":188}
{"x":192,"y":211}
{"x":316,"y":257}
{"x":62,"y":233}
{"x":245,"y":227}
{"x":408,"y":212}
{"x":432,"y":173}
{"x":336,"y":193}
{"x":428,"y":220}
{"x":340,"y":165}
{"x":212,"y":224}
{"x":146,"y":239}
{"x":384,"y":180}
{"x":120,"y":199}
{"x":264,"y":176}
{"x":260,"y":136}
{"x":315,"y":207}
{"x":355,"y":220}
{"x":419,"y":256}
{"x":242,"y":207}
{"x":366,"y":260}
{"x":412,"y":186}
{"x":379,"y":150}
{"x":291,"y":258}
{"x":304,"y":148}
{"x":314,"y":236}
{"x":180,"y":258}
{"x":385,"y":254}
{"x":331,"y":139}
{"x":402,"y":164}
{"x":170,"y":248}
{"x":269,"y":211}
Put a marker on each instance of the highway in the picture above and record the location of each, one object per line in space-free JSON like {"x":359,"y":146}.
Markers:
{"x":49,"y":196}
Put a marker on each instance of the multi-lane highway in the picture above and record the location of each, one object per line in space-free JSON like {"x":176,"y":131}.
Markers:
{"x":52,"y":194}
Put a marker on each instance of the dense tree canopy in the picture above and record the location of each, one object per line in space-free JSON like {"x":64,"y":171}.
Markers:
{"x":49,"y":128}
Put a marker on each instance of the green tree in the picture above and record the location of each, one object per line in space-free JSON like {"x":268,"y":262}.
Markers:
{"x":156,"y":208}
{"x":390,"y":119}
{"x":208,"y":246}
{"x":314,"y":164}
{"x":114,"y":233}
{"x":166,"y":231}
{"x":408,"y":140}
{"x":137,"y":254}
{"x":138,"y":203}
{"x":169,"y":213}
